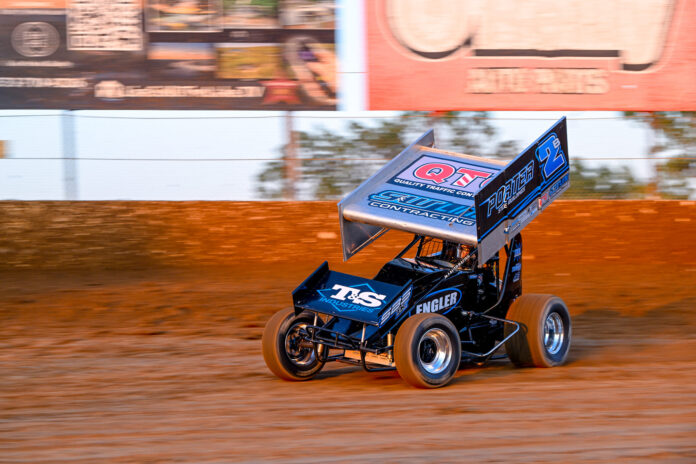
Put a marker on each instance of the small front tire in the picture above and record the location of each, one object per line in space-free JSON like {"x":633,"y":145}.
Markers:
{"x":427,"y":350}
{"x":285,"y":352}
{"x":545,"y":331}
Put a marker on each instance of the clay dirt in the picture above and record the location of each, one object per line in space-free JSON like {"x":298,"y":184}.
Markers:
{"x":163,"y":364}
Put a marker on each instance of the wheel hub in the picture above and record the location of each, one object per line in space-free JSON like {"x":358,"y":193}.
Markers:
{"x":554,"y":333}
{"x":435,"y":351}
{"x":299,"y":351}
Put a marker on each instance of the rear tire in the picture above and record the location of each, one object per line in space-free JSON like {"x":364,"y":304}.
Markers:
{"x":286,"y":354}
{"x":545,"y":331}
{"x":427,"y":350}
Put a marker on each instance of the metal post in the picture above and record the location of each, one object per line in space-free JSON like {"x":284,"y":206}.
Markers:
{"x":69,"y":155}
{"x":651,"y":187}
{"x":290,"y":160}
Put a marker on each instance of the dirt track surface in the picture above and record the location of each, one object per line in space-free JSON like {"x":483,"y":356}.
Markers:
{"x":164,"y":366}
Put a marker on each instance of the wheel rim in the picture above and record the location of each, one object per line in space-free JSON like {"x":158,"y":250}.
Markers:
{"x":435,"y":351}
{"x":554,"y":333}
{"x":299,"y":351}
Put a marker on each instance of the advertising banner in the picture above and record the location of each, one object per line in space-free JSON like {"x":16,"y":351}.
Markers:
{"x":168,"y":54}
{"x":534,"y":55}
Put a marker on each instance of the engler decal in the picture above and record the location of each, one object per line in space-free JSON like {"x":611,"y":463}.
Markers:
{"x":440,"y":301}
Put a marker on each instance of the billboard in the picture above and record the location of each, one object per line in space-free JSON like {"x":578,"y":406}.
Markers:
{"x":535,"y":55}
{"x":168,"y":54}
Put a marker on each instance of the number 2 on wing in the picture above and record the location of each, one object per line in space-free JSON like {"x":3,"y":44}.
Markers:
{"x":550,"y":155}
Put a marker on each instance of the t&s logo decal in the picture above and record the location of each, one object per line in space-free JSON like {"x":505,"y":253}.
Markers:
{"x":352,"y":298}
{"x":370,"y":299}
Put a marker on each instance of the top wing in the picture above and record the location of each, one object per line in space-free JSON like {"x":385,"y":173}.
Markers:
{"x":456,"y":197}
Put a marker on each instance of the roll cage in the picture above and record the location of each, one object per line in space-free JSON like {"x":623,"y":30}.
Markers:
{"x":434,"y":252}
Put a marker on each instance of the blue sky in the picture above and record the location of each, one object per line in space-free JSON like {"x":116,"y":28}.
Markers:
{"x":229,"y":134}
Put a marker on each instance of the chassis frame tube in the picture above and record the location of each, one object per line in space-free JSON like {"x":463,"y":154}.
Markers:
{"x":339,"y":341}
{"x":490,"y":352}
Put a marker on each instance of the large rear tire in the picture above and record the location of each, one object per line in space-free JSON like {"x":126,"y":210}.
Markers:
{"x":286,"y":354}
{"x":545,"y":331}
{"x":427,"y":350}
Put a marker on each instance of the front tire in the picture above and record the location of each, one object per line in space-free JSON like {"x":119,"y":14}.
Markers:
{"x":545,"y":331}
{"x":427,"y":350}
{"x":286,"y":354}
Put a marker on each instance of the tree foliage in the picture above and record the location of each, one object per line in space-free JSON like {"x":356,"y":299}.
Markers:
{"x":674,"y":136}
{"x":602,"y":182}
{"x":332,"y":164}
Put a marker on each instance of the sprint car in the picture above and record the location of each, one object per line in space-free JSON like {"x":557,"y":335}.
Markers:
{"x":454,"y":293}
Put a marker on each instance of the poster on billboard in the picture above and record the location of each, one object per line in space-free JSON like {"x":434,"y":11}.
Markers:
{"x":168,"y":54}
{"x":535,"y":55}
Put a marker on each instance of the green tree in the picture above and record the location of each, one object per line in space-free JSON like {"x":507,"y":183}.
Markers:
{"x":602,"y":182}
{"x":332,"y":164}
{"x":674,"y":136}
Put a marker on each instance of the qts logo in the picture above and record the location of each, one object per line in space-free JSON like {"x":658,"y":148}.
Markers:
{"x":441,"y":172}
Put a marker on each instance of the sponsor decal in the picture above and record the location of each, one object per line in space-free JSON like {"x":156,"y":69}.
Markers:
{"x":523,"y":218}
{"x":516,"y":268}
{"x":440,"y":301}
{"x":470,"y":175}
{"x":36,"y":64}
{"x":35,"y":39}
{"x":550,"y":155}
{"x":557,"y":188}
{"x":447,"y":177}
{"x":487,"y":80}
{"x":48,"y":82}
{"x":115,"y":90}
{"x":352,"y":298}
{"x":99,"y":25}
{"x":281,"y":91}
{"x":510,"y":190}
{"x":397,"y":307}
{"x":418,"y":205}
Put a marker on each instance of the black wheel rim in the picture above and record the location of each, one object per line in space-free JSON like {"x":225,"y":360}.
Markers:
{"x":300,"y":351}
